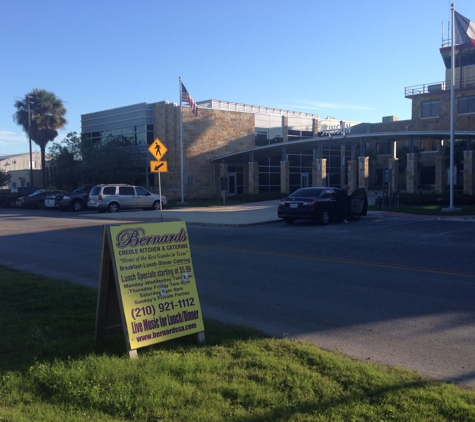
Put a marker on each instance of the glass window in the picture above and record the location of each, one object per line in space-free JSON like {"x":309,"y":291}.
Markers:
{"x":430,"y":109}
{"x":126,"y":190}
{"x":128,"y":139}
{"x":467,"y":104}
{"x":261,"y":138}
{"x":128,"y":130}
{"x":141,"y":140}
{"x":383,"y":148}
{"x":141,"y":191}
{"x":329,"y":193}
{"x":109,"y":190}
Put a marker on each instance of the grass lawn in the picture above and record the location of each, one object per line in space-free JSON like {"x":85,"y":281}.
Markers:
{"x":51,"y":370}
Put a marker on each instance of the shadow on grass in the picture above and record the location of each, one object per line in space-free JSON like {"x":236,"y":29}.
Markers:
{"x":368,"y":402}
{"x":47,"y":320}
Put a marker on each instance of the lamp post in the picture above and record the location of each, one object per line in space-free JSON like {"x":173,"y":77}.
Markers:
{"x":30,"y":101}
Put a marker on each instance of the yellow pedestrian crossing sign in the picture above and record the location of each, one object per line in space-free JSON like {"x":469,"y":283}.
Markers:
{"x":157,"y":149}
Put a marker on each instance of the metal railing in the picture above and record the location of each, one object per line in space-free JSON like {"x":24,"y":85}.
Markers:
{"x":432,"y":87}
{"x":424,"y":88}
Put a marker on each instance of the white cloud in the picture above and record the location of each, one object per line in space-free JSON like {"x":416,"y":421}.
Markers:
{"x":8,"y":138}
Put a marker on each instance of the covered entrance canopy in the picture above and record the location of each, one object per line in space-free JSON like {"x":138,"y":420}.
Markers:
{"x":352,"y":164}
{"x":356,"y":139}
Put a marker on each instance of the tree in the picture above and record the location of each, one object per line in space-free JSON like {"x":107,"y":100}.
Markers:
{"x":4,"y":178}
{"x":47,"y":116}
{"x":79,"y":159}
{"x":66,"y":163}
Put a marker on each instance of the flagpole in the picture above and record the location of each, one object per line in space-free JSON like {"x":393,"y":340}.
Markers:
{"x":181,"y":146}
{"x":452,"y":108}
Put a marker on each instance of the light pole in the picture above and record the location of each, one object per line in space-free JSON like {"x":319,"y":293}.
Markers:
{"x":30,"y":101}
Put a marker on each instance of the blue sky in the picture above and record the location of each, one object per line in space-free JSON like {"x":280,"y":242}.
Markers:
{"x":350,"y":59}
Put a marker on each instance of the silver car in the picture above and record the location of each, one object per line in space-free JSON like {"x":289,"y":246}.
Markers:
{"x":115,"y":197}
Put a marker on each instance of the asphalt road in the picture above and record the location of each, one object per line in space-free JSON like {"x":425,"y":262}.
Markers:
{"x":397,"y":291}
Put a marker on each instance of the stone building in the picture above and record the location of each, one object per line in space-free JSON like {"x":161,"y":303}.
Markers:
{"x":259,"y":149}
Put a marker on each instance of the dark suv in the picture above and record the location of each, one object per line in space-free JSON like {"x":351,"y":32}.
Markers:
{"x":75,"y":200}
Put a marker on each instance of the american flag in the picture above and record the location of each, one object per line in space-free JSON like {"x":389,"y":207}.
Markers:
{"x":188,"y":99}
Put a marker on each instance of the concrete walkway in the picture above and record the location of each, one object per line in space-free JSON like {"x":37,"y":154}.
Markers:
{"x":228,"y":215}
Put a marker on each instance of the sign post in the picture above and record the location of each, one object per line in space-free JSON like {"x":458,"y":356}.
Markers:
{"x":158,"y":150}
{"x":224,"y":187}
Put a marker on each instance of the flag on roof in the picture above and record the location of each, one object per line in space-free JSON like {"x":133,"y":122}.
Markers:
{"x":464,"y":30}
{"x":187,"y":98}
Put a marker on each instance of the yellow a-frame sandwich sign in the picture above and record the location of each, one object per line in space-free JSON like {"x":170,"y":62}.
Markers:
{"x":147,"y":285}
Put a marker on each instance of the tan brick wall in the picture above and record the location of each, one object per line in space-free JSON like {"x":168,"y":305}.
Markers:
{"x":468,"y":172}
{"x":213,"y":133}
{"x":284,"y":177}
{"x":411,"y":173}
{"x":462,"y":121}
{"x":253,"y":178}
{"x":352,"y":175}
{"x":319,"y":172}
{"x":363,"y":173}
{"x":440,"y":174}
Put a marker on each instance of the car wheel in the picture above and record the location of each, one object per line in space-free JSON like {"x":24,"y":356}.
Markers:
{"x":40,"y":204}
{"x":77,"y":206}
{"x":156,"y":206}
{"x":289,"y":220}
{"x":355,"y":217}
{"x":324,"y":218}
{"x":113,"y":207}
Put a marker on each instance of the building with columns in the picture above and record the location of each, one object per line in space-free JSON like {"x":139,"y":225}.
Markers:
{"x":260,"y":149}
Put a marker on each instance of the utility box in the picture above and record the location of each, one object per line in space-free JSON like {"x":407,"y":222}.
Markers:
{"x":435,"y":87}
{"x":389,"y":119}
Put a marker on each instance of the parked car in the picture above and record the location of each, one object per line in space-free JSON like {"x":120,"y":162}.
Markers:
{"x":321,"y":205}
{"x":75,"y":200}
{"x":9,"y":197}
{"x":37,"y":199}
{"x":50,"y":201}
{"x":113,"y":198}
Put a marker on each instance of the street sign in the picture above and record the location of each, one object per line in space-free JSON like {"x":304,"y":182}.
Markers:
{"x":158,"y":166}
{"x":157,"y":149}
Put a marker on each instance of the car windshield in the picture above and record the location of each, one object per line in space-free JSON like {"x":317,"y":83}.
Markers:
{"x":95,"y":190}
{"x":38,"y":192}
{"x":81,"y":189}
{"x":307,"y":193}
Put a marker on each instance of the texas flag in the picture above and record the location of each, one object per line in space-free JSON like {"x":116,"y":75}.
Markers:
{"x":464,"y":30}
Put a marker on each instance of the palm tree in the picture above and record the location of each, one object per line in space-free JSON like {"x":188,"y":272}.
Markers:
{"x":47,"y":115}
